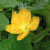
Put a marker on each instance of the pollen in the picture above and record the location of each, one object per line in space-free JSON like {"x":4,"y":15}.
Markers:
{"x":24,"y":27}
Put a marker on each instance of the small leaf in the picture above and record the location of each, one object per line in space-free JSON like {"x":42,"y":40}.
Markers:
{"x":3,"y":21}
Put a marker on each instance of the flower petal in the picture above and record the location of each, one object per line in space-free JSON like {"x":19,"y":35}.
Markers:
{"x":15,"y":18}
{"x":25,"y":16}
{"x":34,"y":23}
{"x":23,"y":35}
{"x":13,"y":29}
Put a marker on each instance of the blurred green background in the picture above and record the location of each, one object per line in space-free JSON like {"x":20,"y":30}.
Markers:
{"x":36,"y":40}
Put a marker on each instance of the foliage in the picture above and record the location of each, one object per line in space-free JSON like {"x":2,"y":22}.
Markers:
{"x":36,"y":40}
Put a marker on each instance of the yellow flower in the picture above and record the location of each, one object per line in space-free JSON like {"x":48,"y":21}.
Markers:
{"x":22,"y":24}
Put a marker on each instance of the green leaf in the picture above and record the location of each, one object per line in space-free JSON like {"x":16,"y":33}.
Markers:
{"x":36,"y":47}
{"x":40,"y":36}
{"x":3,"y":21}
{"x":12,"y":44}
{"x":47,"y":13}
{"x":0,"y":36}
{"x":24,"y":0}
{"x":7,"y":3}
{"x":45,"y":45}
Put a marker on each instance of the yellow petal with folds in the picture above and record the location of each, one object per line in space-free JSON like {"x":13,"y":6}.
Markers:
{"x":25,"y":16}
{"x":34,"y":23}
{"x":13,"y":29}
{"x":23,"y":35}
{"x":15,"y":19}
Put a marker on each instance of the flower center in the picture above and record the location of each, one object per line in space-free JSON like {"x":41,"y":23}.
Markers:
{"x":24,"y":27}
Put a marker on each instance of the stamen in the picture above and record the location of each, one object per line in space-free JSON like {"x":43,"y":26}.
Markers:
{"x":24,"y":27}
